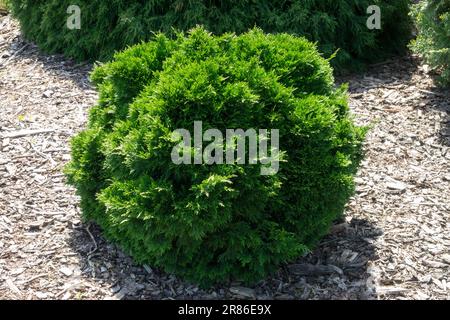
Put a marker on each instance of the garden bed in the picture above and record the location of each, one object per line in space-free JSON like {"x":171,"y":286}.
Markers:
{"x":393,"y":244}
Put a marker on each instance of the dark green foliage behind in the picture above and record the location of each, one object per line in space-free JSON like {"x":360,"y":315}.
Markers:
{"x":212,"y":223}
{"x":432,"y":18}
{"x":109,"y":25}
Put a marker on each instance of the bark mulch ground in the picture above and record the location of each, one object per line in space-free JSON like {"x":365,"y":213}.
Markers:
{"x":393,"y":244}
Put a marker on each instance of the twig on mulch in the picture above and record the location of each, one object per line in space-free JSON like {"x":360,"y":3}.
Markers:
{"x":93,"y":240}
{"x":4,"y":64}
{"x":24,"y":133}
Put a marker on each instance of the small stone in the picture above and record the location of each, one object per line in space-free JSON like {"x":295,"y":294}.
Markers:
{"x":243,"y":292}
{"x":11,"y":169}
{"x":41,"y":295}
{"x":359,"y":180}
{"x":139,"y":287}
{"x":5,"y":142}
{"x":48,"y":94}
{"x":396,"y":186}
{"x":121,"y":294}
{"x":426,"y":279}
{"x":66,"y":271}
{"x":67,"y":296}
{"x":446,"y":258}
{"x":115,"y":289}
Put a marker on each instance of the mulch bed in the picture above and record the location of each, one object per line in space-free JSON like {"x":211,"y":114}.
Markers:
{"x":393,"y":244}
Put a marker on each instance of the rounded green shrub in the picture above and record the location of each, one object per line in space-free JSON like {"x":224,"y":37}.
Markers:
{"x":212,"y":223}
{"x":109,"y":25}
{"x":433,"y":41}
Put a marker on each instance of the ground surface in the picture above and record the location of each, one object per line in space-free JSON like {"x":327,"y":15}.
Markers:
{"x":394,"y":244}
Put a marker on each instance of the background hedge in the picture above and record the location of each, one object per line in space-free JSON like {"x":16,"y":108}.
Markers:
{"x":432,"y":18}
{"x":109,"y":25}
{"x":212,"y":223}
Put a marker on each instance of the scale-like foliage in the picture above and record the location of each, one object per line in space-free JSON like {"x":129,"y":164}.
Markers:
{"x":212,"y":223}
{"x":109,"y":25}
{"x":433,"y":41}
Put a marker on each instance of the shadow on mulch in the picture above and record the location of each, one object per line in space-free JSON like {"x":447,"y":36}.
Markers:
{"x":336,"y":269}
{"x":62,"y":67}
{"x":399,"y":71}
{"x":395,"y":71}
{"x":439,"y":98}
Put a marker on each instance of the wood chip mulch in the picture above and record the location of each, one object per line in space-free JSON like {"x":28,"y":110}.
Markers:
{"x":393,"y":244}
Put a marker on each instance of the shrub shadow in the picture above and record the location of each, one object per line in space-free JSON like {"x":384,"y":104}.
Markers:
{"x":336,"y":269}
{"x":438,"y":98}
{"x":395,"y":71}
{"x":398,"y":73}
{"x":24,"y":52}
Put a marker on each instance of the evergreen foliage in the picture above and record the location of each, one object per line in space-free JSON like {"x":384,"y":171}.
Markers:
{"x":432,"y":18}
{"x":213,"y":223}
{"x":109,"y":25}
